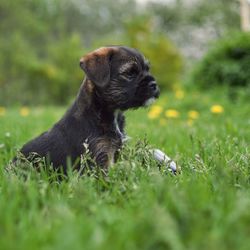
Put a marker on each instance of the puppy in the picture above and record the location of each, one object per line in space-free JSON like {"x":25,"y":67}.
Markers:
{"x":117,"y":79}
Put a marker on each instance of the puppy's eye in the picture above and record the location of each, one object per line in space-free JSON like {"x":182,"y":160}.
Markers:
{"x":129,"y":71}
{"x":132,"y":72}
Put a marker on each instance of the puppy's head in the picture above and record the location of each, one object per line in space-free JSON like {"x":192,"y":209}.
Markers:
{"x":121,"y":77}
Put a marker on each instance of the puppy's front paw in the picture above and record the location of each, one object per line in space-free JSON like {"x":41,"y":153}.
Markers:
{"x":164,"y":159}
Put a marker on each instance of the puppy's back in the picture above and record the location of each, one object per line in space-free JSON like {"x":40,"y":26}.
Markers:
{"x":48,"y":145}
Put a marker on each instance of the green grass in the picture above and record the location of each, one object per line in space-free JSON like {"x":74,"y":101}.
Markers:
{"x":138,"y":206}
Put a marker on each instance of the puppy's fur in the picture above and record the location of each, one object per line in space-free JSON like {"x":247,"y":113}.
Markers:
{"x":117,"y":79}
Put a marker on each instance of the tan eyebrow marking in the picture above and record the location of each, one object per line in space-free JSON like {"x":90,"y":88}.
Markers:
{"x":127,"y":66}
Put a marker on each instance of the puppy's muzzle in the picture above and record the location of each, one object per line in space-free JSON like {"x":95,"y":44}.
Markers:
{"x":154,"y":89}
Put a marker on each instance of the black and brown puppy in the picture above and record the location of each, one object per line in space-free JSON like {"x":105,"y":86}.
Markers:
{"x":117,"y":79}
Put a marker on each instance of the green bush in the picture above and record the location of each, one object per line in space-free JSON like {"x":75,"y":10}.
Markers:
{"x":226,"y":63}
{"x":39,"y":59}
{"x":34,"y":76}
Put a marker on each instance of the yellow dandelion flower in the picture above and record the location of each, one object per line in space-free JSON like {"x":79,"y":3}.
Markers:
{"x":24,"y":111}
{"x":163,"y":121}
{"x":2,"y":111}
{"x":190,"y":122}
{"x":157,"y":108}
{"x":217,"y":109}
{"x":154,"y":112}
{"x":193,"y":114}
{"x":179,"y":94}
{"x":172,"y":113}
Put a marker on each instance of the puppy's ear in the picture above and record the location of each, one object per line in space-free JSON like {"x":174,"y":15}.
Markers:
{"x":96,"y":65}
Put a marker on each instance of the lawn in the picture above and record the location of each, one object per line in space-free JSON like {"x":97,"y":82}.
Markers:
{"x":138,"y":206}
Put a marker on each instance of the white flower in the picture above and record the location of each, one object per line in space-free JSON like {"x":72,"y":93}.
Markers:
{"x":7,"y":134}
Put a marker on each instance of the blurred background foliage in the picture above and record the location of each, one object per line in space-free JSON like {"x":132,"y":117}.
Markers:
{"x":42,"y":40}
{"x":226,"y":63}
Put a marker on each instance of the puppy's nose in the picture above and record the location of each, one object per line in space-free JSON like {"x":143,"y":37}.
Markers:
{"x":153,"y":86}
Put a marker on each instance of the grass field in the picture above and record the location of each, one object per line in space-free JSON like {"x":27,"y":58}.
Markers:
{"x":206,"y":206}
